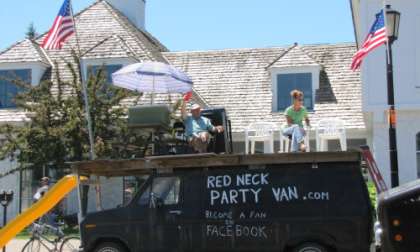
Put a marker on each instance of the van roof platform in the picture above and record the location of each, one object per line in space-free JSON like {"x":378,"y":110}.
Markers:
{"x":150,"y":164}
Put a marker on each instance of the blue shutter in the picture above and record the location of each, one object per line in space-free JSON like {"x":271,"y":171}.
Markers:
{"x":288,"y":82}
{"x":8,"y":90}
{"x":3,"y":89}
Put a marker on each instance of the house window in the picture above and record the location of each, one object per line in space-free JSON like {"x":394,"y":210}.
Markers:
{"x":418,"y":154}
{"x":109,"y":70}
{"x":290,"y":81}
{"x":8,"y":89}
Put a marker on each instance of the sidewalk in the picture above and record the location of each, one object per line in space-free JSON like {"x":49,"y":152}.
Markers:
{"x":16,"y":245}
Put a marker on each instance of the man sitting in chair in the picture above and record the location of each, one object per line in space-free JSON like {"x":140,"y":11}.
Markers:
{"x":197,"y":128}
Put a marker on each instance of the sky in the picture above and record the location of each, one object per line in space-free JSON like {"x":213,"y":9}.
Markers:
{"x":207,"y":24}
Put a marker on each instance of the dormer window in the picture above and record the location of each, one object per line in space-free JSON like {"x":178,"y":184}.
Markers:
{"x":284,"y":80}
{"x":294,"y":70}
{"x":108,"y":70}
{"x":122,"y":55}
{"x":290,"y":81}
{"x":8,"y":89}
{"x":110,"y":66}
{"x":92,"y":70}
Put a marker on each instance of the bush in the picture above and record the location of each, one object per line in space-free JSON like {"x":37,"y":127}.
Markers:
{"x":372,"y":193}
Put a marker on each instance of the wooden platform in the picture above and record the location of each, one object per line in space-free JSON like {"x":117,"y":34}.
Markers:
{"x":127,"y":167}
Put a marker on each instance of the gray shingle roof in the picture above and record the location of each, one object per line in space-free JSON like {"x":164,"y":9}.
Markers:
{"x":111,"y":47}
{"x":23,"y":51}
{"x":101,"y":30}
{"x":240,"y":81}
{"x":237,"y":79}
{"x":13,"y":116}
{"x":295,"y":57}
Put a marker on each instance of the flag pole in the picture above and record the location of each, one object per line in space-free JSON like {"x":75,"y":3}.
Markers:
{"x":84,"y":88}
{"x":92,"y":153}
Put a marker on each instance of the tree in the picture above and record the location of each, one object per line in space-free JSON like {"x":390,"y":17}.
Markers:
{"x":31,"y":32}
{"x":57,"y":133}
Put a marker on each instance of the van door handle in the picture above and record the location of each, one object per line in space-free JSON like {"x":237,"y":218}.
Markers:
{"x":175,"y":212}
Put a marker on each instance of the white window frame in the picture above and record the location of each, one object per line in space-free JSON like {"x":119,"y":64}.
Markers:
{"x":37,"y":69}
{"x":86,"y":63}
{"x":274,"y":71}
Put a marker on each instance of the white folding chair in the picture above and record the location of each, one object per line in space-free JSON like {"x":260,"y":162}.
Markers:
{"x":330,"y":129}
{"x":285,"y":140}
{"x":260,"y":132}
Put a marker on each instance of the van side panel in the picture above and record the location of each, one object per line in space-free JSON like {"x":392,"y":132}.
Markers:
{"x":283,"y":204}
{"x":192,"y":209}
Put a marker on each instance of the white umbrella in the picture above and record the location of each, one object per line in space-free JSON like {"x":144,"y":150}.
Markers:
{"x":153,"y":77}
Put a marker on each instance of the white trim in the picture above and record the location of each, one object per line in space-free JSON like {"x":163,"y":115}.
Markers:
{"x":37,"y":69}
{"x":355,"y":7}
{"x":274,"y":71}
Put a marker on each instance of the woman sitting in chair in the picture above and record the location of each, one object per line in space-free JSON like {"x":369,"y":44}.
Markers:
{"x":295,"y":114}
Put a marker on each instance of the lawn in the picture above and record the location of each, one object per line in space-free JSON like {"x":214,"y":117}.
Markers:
{"x":68,"y":231}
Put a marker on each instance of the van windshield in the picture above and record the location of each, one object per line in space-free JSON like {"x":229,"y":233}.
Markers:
{"x":164,"y":188}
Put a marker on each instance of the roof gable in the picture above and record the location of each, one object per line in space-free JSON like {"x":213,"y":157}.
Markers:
{"x":294,"y":57}
{"x":111,"y":47}
{"x":22,"y":52}
{"x":139,"y":32}
{"x":95,"y":25}
{"x":100,"y":21}
{"x":103,"y":32}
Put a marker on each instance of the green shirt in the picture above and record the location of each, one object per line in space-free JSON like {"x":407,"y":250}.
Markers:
{"x":296,"y":116}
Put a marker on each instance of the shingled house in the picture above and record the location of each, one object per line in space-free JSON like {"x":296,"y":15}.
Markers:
{"x":252,"y":84}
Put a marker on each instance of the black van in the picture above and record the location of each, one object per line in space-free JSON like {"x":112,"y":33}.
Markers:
{"x":269,"y":202}
{"x":399,"y":216}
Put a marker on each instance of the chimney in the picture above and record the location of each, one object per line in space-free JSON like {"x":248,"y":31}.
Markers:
{"x":134,"y":10}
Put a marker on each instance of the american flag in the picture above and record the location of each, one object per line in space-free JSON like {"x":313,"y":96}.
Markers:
{"x":375,"y":38}
{"x":62,"y":28}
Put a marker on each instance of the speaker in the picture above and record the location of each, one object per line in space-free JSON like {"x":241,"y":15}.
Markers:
{"x":149,"y":116}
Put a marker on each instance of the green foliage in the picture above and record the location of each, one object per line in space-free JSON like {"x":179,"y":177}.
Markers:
{"x":57,"y":132}
{"x":31,"y":32}
{"x":372,"y":192}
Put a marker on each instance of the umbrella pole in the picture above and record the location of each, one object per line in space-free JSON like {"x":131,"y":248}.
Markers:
{"x":152,"y":102}
{"x":153,"y":91}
